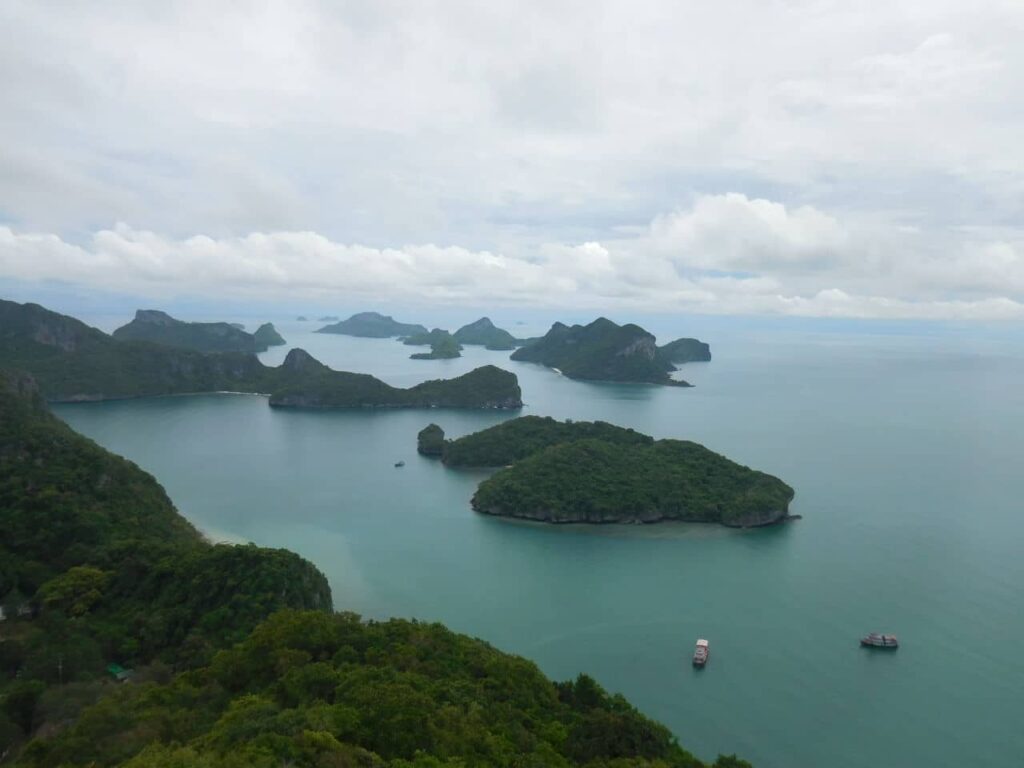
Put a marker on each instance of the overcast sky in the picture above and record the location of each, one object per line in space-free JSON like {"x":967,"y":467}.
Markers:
{"x":855,"y":159}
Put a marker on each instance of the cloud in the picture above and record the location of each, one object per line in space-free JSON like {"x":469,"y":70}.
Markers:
{"x":725,"y":254}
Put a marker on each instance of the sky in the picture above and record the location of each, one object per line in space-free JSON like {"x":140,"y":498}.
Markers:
{"x":771,"y":157}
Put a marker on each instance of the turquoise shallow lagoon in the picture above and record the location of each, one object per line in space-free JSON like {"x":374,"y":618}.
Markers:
{"x":906,"y":455}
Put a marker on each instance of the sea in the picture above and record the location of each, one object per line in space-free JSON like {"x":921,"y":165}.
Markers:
{"x":905,"y":446}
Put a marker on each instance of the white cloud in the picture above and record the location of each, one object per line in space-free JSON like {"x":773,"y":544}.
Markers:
{"x":725,"y":254}
{"x":870,"y":147}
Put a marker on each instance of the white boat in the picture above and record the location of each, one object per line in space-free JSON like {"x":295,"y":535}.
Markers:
{"x":700,"y":653}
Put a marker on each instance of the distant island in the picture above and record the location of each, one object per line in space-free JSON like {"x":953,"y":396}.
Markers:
{"x":685,"y":351}
{"x":484,"y":333}
{"x":443,"y":345}
{"x":594,"y":472}
{"x":372,"y":325}
{"x":329,"y":319}
{"x":72,"y":362}
{"x":606,"y":351}
{"x":234,"y":652}
{"x":600,"y":351}
{"x":160,"y":328}
{"x":302,"y":319}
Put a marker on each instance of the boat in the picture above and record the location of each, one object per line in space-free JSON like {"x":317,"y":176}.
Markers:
{"x":399,"y":463}
{"x":700,"y":653}
{"x":878,"y":640}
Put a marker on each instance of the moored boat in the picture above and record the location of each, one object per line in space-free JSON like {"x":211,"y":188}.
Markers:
{"x":700,"y":653}
{"x":878,"y":640}
{"x":399,"y":463}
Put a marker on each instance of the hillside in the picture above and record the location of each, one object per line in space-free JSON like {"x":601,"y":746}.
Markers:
{"x":372,"y":325}
{"x":598,"y":481}
{"x":160,"y":328}
{"x":515,"y":439}
{"x":113,"y":574}
{"x":71,"y":361}
{"x":484,"y":333}
{"x":600,"y":351}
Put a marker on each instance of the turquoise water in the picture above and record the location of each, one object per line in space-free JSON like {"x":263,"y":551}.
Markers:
{"x":905,"y":452}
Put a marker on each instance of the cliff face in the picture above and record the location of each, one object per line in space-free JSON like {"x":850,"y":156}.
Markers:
{"x":601,"y":351}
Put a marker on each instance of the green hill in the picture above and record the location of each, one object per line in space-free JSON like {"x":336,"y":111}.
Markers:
{"x":373,"y":325}
{"x":600,"y":351}
{"x":685,"y":351}
{"x":160,"y":328}
{"x":71,"y":362}
{"x":515,"y":439}
{"x":114,"y":578}
{"x":484,"y":333}
{"x":598,"y":481}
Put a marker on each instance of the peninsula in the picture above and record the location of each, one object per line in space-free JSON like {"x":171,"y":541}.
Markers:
{"x":72,"y":362}
{"x":372,"y":325}
{"x":601,"y":351}
{"x":593,"y":472}
{"x":160,"y":328}
{"x":237,"y":653}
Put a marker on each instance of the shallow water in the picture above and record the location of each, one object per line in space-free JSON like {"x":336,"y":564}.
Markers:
{"x":905,"y":452}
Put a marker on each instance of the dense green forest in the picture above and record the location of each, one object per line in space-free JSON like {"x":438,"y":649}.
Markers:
{"x":104,"y":571}
{"x":600,"y":351}
{"x":72,"y":361}
{"x":95,"y":553}
{"x":685,"y":351}
{"x":443,"y":345}
{"x":600,"y":481}
{"x":515,"y":439}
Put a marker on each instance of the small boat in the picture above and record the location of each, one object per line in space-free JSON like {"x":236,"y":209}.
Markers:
{"x":399,"y":463}
{"x":700,"y":653}
{"x":877,"y":640}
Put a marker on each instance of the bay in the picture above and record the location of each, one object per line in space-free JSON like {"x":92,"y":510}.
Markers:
{"x":905,"y":452}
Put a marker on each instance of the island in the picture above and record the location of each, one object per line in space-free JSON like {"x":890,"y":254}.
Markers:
{"x":73,"y":362}
{"x":266,"y":336}
{"x":594,"y":472}
{"x":430,"y":441}
{"x":683,"y":351}
{"x":484,"y":333}
{"x":373,"y":325}
{"x":443,"y":345}
{"x":160,"y":328}
{"x":601,"y":351}
{"x":235,"y":652}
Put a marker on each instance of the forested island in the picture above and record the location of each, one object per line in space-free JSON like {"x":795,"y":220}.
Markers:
{"x":484,"y":333}
{"x":160,"y":328}
{"x":373,"y":325}
{"x":443,"y":345}
{"x":102,"y":582}
{"x":606,"y":351}
{"x":594,"y":472}
{"x":72,"y":361}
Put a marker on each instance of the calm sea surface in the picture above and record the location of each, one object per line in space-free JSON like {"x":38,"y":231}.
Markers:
{"x":906,"y":456}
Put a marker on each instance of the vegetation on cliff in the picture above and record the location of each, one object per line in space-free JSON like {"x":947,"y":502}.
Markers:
{"x":430,"y":440}
{"x":515,"y":439}
{"x":484,"y":333}
{"x":600,"y":351}
{"x":94,"y":550}
{"x":598,"y":481}
{"x":160,"y":328}
{"x":72,"y":361}
{"x":373,"y":325}
{"x":223,"y":679}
